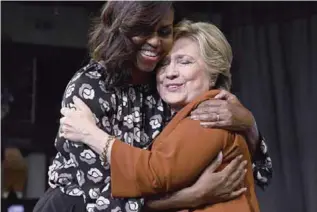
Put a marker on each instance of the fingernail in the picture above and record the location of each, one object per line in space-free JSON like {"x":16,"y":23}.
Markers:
{"x":245,"y":162}
{"x":240,"y":156}
{"x":245,"y":171}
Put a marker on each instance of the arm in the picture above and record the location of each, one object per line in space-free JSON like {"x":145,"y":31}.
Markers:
{"x":234,"y":116}
{"x":262,"y":163}
{"x":185,"y":198}
{"x":218,"y":187}
{"x":173,"y":162}
{"x":87,"y":89}
{"x":211,"y":187}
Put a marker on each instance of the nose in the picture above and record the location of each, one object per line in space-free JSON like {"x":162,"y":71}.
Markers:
{"x":171,"y":72}
{"x":154,"y":41}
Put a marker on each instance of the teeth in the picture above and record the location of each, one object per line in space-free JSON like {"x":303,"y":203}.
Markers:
{"x":149,"y":53}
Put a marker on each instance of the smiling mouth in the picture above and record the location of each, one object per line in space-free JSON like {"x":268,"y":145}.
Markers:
{"x":173,"y":87}
{"x":148,"y":53}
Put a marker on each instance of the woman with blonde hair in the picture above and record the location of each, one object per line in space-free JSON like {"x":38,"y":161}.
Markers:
{"x":194,"y":71}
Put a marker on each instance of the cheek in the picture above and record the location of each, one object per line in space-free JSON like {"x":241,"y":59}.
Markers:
{"x":138,"y":40}
{"x":198,"y":79}
{"x":167,"y":44}
{"x":159,"y":79}
{"x":205,"y":82}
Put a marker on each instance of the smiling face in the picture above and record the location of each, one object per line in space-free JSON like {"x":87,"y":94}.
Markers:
{"x":183,"y":74}
{"x":156,"y":45}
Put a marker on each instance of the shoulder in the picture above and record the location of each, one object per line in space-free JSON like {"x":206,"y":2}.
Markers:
{"x":88,"y":85}
{"x":87,"y":82}
{"x":193,"y":127}
{"x":92,"y":73}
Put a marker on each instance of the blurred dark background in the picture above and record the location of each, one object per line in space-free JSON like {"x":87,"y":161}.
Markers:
{"x":274,"y":73}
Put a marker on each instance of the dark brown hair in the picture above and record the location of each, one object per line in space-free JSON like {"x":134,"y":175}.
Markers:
{"x":110,"y":39}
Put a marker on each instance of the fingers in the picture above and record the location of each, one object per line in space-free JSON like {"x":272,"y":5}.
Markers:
{"x":211,"y":115}
{"x":215,"y":163}
{"x":233,"y":165}
{"x":65,"y":128}
{"x":209,"y":106}
{"x":211,"y":103}
{"x":80,"y":104}
{"x":237,"y":176}
{"x":67,"y":111}
{"x":227,"y":96}
{"x":65,"y":121}
{"x":239,"y":180}
{"x":235,"y":194}
{"x":215,"y":124}
{"x":223,"y":94}
{"x":205,"y":117}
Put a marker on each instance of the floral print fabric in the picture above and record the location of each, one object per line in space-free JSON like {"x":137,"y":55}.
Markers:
{"x":134,"y":114}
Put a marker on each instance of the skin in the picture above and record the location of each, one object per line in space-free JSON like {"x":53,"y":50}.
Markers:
{"x":210,"y":185}
{"x":182,"y":78}
{"x":233,"y":115}
{"x":183,"y":75}
{"x":158,"y":43}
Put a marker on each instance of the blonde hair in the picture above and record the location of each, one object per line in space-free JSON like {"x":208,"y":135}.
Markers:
{"x":214,"y":48}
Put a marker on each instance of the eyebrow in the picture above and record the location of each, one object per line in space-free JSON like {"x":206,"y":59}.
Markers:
{"x":180,"y":56}
{"x":166,"y":25}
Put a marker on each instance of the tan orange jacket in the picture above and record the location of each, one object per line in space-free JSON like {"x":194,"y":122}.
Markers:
{"x":178,"y":156}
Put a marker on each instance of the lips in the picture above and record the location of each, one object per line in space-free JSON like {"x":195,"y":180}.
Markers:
{"x":173,"y":86}
{"x":149,"y":56}
{"x":149,"y":53}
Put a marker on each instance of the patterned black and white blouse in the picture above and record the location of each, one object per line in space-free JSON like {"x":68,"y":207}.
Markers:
{"x":134,"y":114}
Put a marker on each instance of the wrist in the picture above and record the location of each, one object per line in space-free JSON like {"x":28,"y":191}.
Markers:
{"x":197,"y":195}
{"x":253,"y":137}
{"x":185,"y":198}
{"x":253,"y":132}
{"x":96,"y":139}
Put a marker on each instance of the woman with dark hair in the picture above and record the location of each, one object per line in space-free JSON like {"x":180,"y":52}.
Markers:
{"x":196,"y":68}
{"x":126,"y":44}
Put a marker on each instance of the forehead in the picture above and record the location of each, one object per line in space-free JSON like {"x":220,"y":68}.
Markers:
{"x":185,"y":46}
{"x":168,"y":18}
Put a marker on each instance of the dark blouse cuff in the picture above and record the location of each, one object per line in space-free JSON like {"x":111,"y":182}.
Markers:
{"x":262,"y":164}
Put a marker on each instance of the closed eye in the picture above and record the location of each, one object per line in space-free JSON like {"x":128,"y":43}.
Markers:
{"x":185,"y":62}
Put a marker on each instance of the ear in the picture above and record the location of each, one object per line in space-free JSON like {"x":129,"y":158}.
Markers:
{"x":213,"y":80}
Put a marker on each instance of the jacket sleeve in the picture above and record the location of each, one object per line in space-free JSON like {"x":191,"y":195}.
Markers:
{"x":174,"y":162}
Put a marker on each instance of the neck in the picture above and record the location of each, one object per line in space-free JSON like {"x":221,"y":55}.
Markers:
{"x":140,"y":77}
{"x":175,"y":108}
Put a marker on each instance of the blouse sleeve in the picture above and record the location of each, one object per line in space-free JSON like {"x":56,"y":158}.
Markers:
{"x":89,"y":87}
{"x":86,"y":86}
{"x":262,"y":165}
{"x":173,"y":163}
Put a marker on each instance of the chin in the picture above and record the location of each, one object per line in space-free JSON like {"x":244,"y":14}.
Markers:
{"x":173,"y":101}
{"x":147,"y":69}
